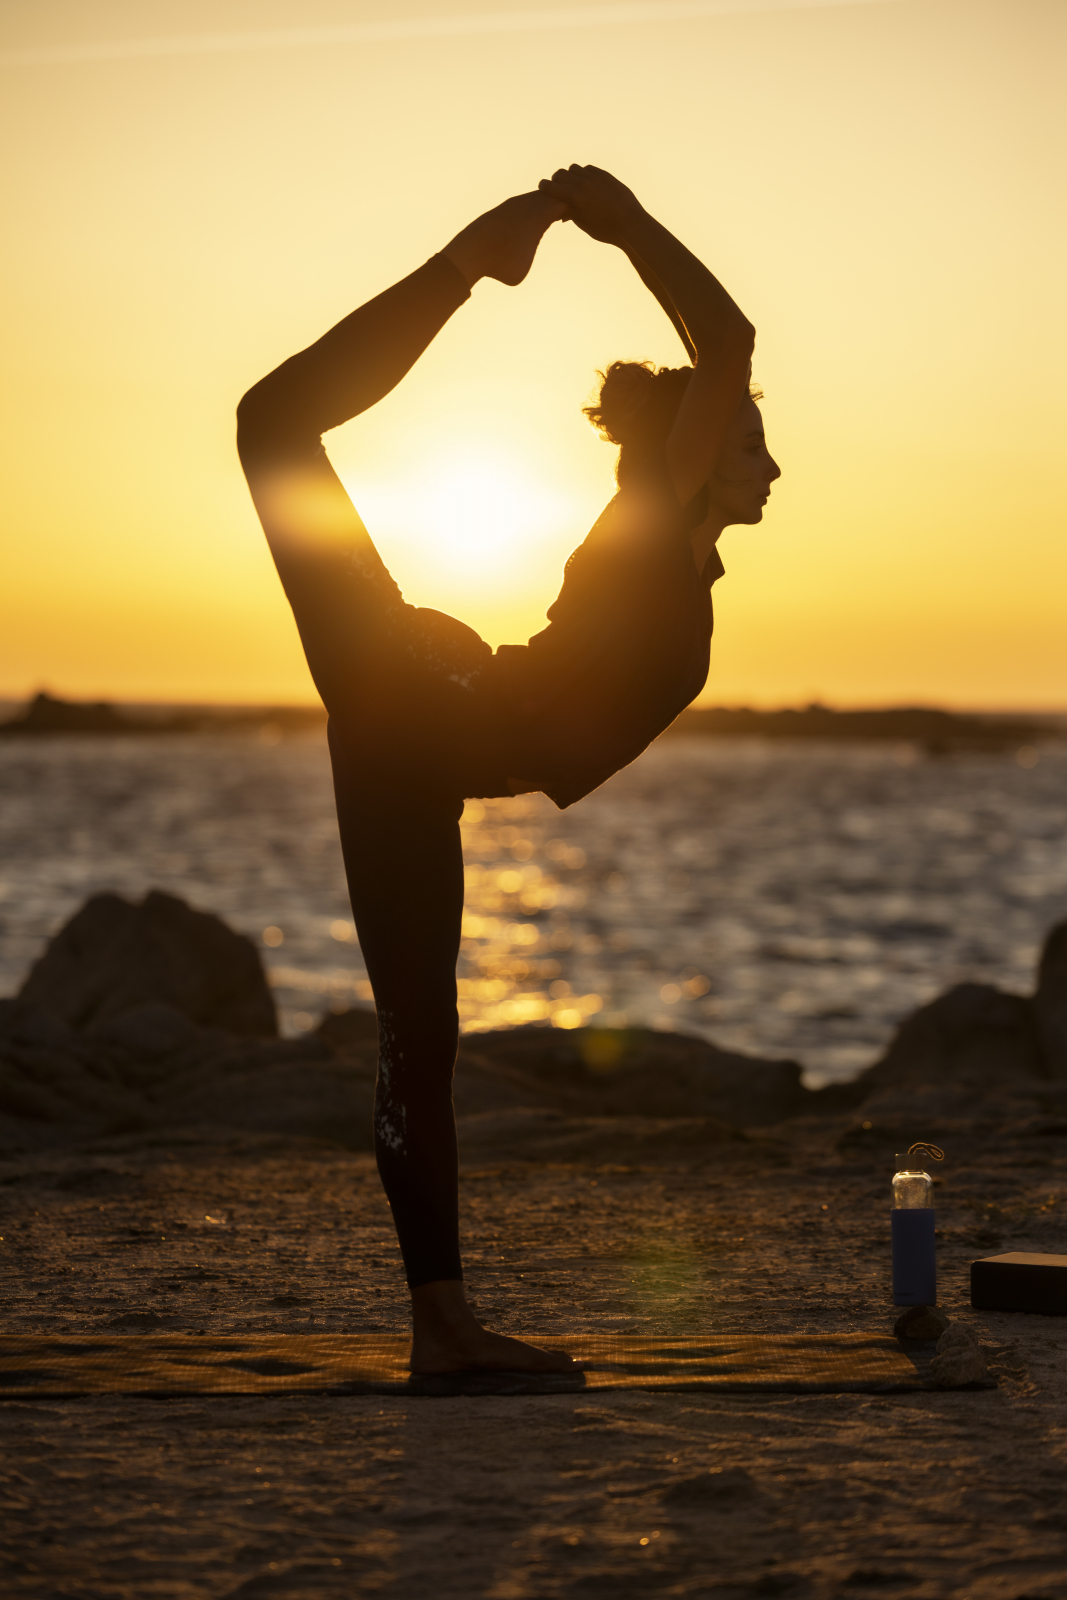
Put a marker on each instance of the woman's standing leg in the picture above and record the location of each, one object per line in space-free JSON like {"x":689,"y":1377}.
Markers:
{"x":405,"y":873}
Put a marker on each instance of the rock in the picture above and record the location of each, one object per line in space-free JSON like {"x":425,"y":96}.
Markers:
{"x":1050,"y":1002}
{"x":294,"y":1095}
{"x":639,"y":1072}
{"x":356,"y":1027}
{"x":50,"y":1074}
{"x":958,"y":1359}
{"x":974,"y":1034}
{"x":544,"y":1134}
{"x":113,"y":957}
{"x":151,"y":1032}
{"x":921,"y":1322}
{"x":602,"y":1072}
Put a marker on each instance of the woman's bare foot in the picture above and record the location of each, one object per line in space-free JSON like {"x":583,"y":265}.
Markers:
{"x":449,"y":1338}
{"x":502,"y":243}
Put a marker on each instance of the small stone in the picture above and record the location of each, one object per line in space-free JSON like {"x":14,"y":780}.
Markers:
{"x":958,"y":1360}
{"x":920,"y":1322}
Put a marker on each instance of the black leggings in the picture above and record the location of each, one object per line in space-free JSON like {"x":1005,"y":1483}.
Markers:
{"x":405,"y":879}
{"x":415,"y":726}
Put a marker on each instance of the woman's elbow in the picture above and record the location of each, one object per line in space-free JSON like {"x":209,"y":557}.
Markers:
{"x":743,"y":335}
{"x":252,"y":409}
{"x":733,"y":342}
{"x":263,"y":421}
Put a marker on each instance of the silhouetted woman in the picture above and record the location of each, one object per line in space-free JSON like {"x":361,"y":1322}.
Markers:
{"x":423,"y":714}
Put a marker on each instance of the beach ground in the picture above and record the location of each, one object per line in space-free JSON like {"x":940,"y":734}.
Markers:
{"x":941,"y":1493}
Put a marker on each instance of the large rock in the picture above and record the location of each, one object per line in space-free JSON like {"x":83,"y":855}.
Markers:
{"x":972,"y":1035}
{"x":154,"y":1068}
{"x":113,"y":957}
{"x":50,"y":1075}
{"x":632,"y":1072}
{"x":1050,"y":1002}
{"x":603,"y":1072}
{"x":543,"y":1134}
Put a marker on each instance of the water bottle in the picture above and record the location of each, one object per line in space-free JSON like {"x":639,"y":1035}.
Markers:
{"x":914,"y":1258}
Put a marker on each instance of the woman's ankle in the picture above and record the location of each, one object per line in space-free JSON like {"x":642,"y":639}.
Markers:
{"x":466,"y":254}
{"x":442,"y":1303}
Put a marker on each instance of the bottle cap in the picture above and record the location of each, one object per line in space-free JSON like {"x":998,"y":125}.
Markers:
{"x":905,"y":1162}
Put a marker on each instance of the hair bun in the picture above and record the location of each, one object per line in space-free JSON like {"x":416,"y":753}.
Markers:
{"x":625,"y":389}
{"x":636,"y":409}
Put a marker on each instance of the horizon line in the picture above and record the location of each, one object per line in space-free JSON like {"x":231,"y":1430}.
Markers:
{"x":459,"y":25}
{"x":802,"y":703}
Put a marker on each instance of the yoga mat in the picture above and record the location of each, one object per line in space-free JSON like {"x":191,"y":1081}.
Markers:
{"x":169,"y":1365}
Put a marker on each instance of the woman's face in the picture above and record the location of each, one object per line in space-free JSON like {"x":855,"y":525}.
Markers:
{"x":741,"y":482}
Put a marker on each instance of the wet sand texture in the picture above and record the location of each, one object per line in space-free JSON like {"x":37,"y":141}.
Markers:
{"x":583,"y":1214}
{"x":955,"y":1493}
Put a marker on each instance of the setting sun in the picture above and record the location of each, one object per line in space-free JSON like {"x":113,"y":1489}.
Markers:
{"x":468,"y":526}
{"x":474,"y":514}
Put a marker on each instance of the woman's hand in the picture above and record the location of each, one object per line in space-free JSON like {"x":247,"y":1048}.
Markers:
{"x":602,"y":207}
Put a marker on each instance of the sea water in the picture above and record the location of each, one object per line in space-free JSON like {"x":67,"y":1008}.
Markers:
{"x":785,"y":899}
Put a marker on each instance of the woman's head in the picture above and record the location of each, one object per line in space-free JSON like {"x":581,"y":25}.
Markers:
{"x":635,"y":410}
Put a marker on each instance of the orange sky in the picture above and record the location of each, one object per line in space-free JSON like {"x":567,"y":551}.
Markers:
{"x":192,"y":191}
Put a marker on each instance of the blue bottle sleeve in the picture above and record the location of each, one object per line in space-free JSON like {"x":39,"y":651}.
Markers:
{"x":914,"y":1257}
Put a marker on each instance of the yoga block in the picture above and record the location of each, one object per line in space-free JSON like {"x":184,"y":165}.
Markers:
{"x":1020,"y":1282}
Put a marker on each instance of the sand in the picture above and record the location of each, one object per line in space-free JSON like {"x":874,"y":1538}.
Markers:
{"x":781,"y":1229}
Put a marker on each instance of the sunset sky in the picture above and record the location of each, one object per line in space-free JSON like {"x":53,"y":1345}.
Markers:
{"x":191,"y":191}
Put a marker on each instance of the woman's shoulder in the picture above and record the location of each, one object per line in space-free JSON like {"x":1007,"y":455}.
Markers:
{"x":646,"y":514}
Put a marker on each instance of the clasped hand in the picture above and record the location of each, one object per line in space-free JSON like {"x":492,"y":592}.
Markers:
{"x":599,"y":204}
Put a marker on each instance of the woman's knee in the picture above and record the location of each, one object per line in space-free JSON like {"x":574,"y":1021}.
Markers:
{"x":418,"y":1037}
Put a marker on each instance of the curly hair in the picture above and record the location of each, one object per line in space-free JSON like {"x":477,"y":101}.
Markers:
{"x":636,"y":408}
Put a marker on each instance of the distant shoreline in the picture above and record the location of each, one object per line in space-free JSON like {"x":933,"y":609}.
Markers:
{"x":933,"y":730}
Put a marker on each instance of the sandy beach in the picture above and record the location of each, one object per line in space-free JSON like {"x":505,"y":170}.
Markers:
{"x":782,"y":1229}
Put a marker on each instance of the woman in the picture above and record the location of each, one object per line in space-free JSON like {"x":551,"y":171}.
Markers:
{"x":423,"y":714}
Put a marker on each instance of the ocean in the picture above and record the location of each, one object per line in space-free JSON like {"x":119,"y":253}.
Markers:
{"x":782,"y":898}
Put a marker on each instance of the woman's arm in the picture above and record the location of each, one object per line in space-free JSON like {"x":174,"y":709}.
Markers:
{"x":655,"y":287}
{"x":714,"y":327}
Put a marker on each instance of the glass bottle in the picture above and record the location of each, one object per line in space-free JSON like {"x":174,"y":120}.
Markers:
{"x":912,"y":1221}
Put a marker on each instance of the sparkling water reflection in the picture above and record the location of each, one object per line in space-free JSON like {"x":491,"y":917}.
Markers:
{"x":793,"y":900}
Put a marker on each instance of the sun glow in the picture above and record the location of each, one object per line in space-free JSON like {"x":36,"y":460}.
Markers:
{"x":473,"y":531}
{"x":475,"y":514}
{"x":894,"y":183}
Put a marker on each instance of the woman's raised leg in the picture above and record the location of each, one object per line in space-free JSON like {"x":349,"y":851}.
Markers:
{"x":336,"y":582}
